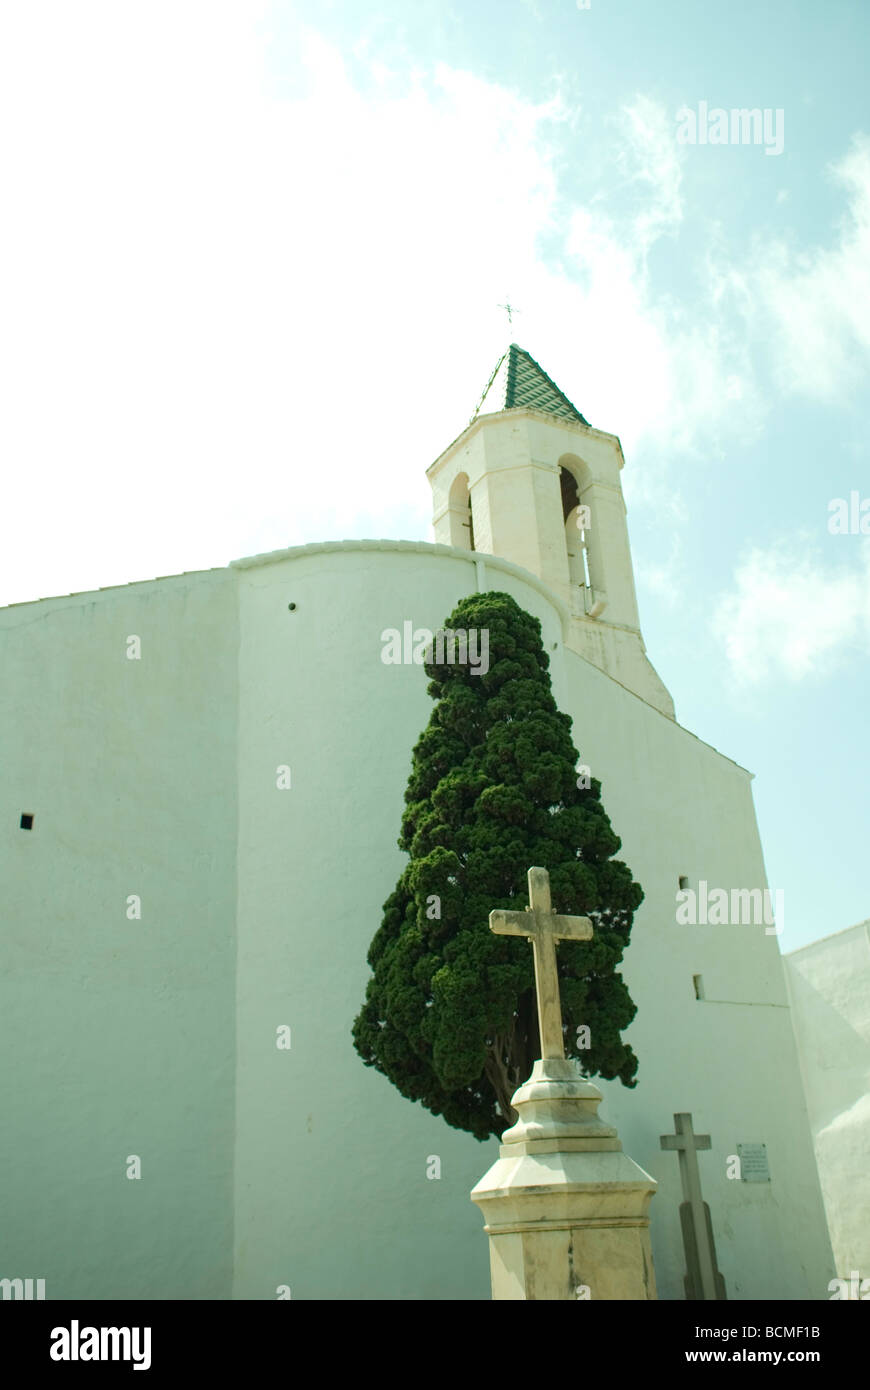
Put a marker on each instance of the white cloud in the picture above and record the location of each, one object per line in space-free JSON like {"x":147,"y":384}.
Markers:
{"x":242,"y":312}
{"x":813,"y":308}
{"x":233,"y":320}
{"x":660,"y":571}
{"x":650,"y":370}
{"x":791,"y":616}
{"x":657,"y":170}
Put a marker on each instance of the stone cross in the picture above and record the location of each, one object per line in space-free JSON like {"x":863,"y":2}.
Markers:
{"x":703,"y":1280}
{"x":543,"y":927}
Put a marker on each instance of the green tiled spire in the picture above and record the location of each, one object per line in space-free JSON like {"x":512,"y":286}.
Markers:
{"x":518,"y":380}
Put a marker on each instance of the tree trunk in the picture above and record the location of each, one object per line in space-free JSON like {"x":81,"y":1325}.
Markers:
{"x":497,"y":1075}
{"x":509,"y":1061}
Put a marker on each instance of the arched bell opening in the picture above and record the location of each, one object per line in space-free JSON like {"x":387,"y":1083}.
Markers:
{"x":576,"y":517}
{"x":461,"y":514}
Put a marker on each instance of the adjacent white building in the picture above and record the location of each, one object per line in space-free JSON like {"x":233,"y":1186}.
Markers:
{"x":829,"y":989}
{"x":213,"y":765}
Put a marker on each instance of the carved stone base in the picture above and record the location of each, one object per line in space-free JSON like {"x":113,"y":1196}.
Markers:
{"x":566,"y":1211}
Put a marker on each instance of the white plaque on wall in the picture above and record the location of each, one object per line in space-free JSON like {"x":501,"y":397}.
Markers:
{"x":753,"y":1162}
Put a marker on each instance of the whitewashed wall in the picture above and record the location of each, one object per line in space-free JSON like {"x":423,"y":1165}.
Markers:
{"x":118,"y":1034}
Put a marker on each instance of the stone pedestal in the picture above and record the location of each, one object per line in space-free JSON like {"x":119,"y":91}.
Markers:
{"x":566,"y":1211}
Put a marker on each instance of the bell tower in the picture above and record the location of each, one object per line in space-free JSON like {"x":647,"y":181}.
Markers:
{"x":531,"y":481}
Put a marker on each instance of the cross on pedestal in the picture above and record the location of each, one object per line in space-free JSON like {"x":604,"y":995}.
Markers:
{"x":543,"y":927}
{"x":703,"y":1280}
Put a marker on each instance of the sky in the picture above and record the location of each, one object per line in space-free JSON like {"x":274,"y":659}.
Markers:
{"x":252,"y":259}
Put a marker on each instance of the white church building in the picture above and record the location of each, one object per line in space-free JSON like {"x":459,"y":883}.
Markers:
{"x":203,"y":781}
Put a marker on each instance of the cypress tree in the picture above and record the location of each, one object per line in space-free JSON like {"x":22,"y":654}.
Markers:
{"x":450,"y":1014}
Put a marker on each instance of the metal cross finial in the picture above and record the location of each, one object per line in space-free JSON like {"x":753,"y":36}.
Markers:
{"x":510,"y":310}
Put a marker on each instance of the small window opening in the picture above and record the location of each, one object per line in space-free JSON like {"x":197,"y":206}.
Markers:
{"x":684,"y":882}
{"x":698,"y":982}
{"x":26,"y":821}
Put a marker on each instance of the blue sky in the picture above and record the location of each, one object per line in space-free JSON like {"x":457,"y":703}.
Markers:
{"x":250,"y":284}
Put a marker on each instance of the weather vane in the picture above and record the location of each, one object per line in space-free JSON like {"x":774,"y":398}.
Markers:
{"x":510,"y":310}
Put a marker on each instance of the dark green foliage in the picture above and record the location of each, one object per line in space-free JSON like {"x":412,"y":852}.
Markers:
{"x":450,"y":1012}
